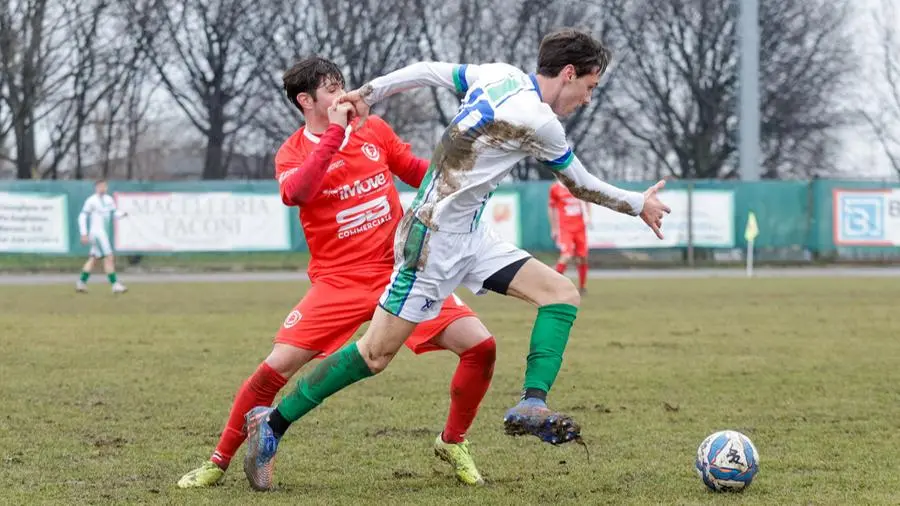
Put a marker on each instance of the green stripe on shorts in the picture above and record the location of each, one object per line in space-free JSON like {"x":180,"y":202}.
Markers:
{"x":406,"y":277}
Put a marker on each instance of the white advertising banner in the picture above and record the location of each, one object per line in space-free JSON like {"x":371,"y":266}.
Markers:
{"x":33,"y":223}
{"x":866,"y":217}
{"x":501,"y":213}
{"x":713,"y":223}
{"x":222,"y":221}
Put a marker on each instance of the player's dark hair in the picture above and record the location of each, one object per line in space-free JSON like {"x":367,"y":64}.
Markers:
{"x":307,"y":75}
{"x":98,"y":182}
{"x":569,"y":46}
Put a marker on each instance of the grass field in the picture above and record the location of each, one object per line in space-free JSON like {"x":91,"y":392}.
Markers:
{"x":110,"y":399}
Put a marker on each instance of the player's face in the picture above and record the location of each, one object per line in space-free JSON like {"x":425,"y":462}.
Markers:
{"x":325,"y":95}
{"x":101,"y":188}
{"x":576,"y":91}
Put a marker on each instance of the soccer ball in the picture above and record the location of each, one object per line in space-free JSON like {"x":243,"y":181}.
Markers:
{"x":727,"y":461}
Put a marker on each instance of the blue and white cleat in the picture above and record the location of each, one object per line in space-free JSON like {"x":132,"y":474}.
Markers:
{"x":259,"y":461}
{"x":533,"y":417}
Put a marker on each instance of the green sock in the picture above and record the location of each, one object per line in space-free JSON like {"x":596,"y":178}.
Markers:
{"x":548,"y":341}
{"x":112,"y":277}
{"x":338,"y":370}
{"x":84,"y":276}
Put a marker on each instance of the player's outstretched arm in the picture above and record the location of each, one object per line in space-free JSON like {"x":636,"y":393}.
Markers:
{"x":452,"y":76}
{"x":556,"y":154}
{"x":587,"y":187}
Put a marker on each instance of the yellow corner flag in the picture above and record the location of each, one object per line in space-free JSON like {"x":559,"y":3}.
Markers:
{"x":752,"y":229}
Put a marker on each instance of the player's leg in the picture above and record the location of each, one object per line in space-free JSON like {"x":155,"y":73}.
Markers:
{"x":457,"y":329}
{"x":259,"y":389}
{"x":81,"y":284}
{"x":565,"y":245}
{"x":582,"y":274}
{"x":319,"y":324}
{"x":109,"y":262}
{"x":581,"y":253}
{"x":557,"y":301}
{"x":353,"y":363}
{"x":412,"y":296}
{"x":505,"y":269}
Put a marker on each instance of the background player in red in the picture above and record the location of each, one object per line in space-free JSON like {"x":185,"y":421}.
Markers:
{"x":342,"y":181}
{"x":569,"y":218}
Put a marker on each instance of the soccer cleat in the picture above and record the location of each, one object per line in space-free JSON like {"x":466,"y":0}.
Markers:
{"x":207,"y":475}
{"x":458,"y":456}
{"x":259,"y":461}
{"x":80,"y":286}
{"x":533,"y":417}
{"x":119,"y":288}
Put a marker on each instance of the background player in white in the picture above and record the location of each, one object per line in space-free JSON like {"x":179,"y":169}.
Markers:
{"x":441,"y":242}
{"x":93,"y":225}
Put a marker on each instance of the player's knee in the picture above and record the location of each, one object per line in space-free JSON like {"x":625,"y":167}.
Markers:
{"x":378,"y":362}
{"x":286,"y":360}
{"x":483,"y":353}
{"x":376,"y":357}
{"x":564,"y":292}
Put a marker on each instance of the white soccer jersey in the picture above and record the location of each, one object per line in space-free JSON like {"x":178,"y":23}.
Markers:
{"x":501,"y":121}
{"x":96,"y":213}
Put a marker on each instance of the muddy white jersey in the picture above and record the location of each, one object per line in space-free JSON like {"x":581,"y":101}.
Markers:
{"x":501,"y":120}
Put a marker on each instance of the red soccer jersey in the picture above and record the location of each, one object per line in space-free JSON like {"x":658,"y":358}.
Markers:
{"x":349,"y":223}
{"x":569,"y":210}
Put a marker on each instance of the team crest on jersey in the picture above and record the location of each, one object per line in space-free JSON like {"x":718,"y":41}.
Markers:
{"x":292,"y":318}
{"x":371,"y":152}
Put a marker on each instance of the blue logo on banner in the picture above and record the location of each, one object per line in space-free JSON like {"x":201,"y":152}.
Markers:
{"x":861,"y":217}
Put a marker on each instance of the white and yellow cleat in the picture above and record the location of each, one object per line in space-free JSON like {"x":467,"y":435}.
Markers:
{"x":207,"y":475}
{"x":119,"y":288}
{"x":80,"y":287}
{"x":458,"y":456}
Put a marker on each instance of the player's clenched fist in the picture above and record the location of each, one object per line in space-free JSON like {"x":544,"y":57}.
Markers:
{"x":356,"y":100}
{"x":339,"y":114}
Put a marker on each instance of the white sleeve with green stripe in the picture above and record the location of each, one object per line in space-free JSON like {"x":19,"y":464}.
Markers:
{"x":556,"y":154}
{"x":453,"y":76}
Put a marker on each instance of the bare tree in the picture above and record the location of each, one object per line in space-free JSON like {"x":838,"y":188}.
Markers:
{"x":365,"y":38}
{"x":26,"y":49}
{"x":885,"y":114}
{"x":90,"y":74}
{"x":680,"y":83}
{"x":195,"y":47}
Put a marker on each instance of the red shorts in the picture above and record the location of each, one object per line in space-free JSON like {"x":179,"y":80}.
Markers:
{"x":333,"y":309}
{"x":572,"y":242}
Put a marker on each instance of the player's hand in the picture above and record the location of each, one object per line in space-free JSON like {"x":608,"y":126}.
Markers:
{"x":554,"y":235}
{"x":339,"y":114}
{"x":654,"y":210}
{"x":84,"y":239}
{"x":360,"y":107}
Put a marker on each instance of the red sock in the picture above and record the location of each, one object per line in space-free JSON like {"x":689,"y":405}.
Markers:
{"x":259,"y":390}
{"x":582,"y":275}
{"x":467,"y":388}
{"x":561,"y":268}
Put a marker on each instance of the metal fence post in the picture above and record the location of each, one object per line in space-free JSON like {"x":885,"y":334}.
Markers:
{"x":690,"y":223}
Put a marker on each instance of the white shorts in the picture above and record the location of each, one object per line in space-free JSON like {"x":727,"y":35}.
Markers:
{"x":100,"y":246}
{"x":429,"y":265}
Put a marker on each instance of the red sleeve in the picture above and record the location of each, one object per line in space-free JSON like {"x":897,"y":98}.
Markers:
{"x":400,"y":159}
{"x":300,"y":184}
